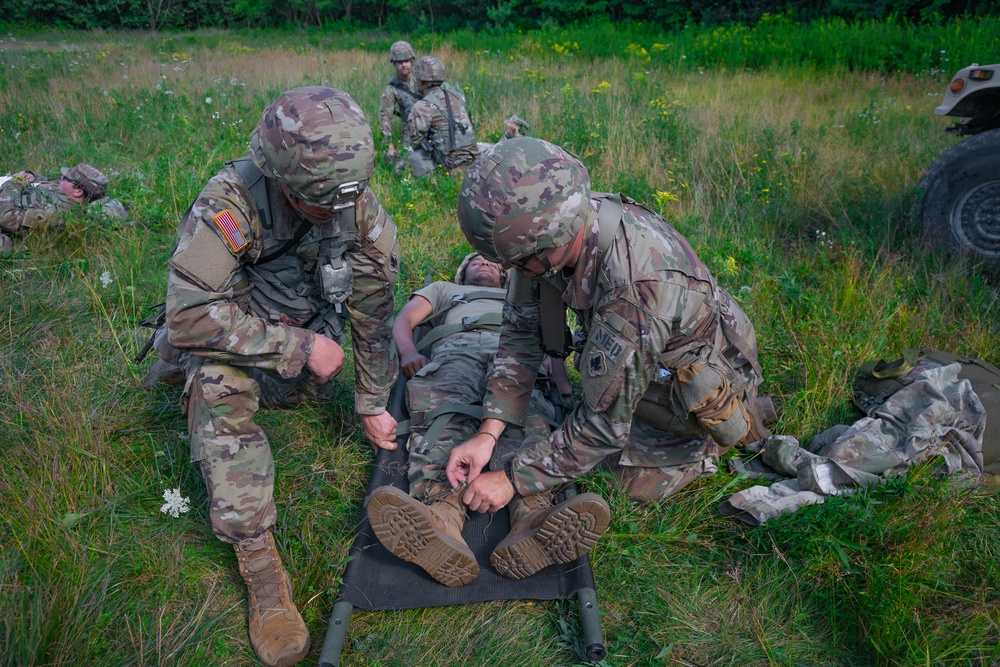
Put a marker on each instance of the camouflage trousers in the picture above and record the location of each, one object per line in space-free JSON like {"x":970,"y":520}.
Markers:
{"x":657,"y":460}
{"x":656,"y":464}
{"x":234,"y":453}
{"x":457,"y":375}
{"x":421,"y":163}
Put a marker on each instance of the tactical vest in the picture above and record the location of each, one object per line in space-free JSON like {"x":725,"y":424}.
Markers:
{"x":433,"y":330}
{"x":878,"y":380}
{"x":303,"y":281}
{"x":460,"y":134}
{"x":407,"y":98}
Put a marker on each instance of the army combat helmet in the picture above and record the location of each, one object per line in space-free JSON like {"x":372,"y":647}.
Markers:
{"x":400,"y":51}
{"x":317,"y":142}
{"x":522,"y":197}
{"x":429,"y":69}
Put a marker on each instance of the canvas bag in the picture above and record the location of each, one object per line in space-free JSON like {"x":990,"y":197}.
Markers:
{"x":878,"y":380}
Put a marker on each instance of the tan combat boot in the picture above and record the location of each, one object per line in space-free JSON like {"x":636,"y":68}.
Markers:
{"x":542,"y":535}
{"x":277,"y":632}
{"x":428,"y":535}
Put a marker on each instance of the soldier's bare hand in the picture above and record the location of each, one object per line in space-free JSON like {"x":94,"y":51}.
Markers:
{"x":381,"y":430}
{"x":468,"y":459}
{"x":413,"y":362}
{"x":325,"y":359}
{"x":488,"y":492}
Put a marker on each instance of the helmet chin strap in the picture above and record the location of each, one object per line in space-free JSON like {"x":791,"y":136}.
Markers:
{"x":567,"y":254}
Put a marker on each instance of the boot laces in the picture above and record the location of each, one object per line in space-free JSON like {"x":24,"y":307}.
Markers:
{"x":265,"y":578}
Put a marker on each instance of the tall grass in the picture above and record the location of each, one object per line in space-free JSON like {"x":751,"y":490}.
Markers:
{"x":787,"y":154}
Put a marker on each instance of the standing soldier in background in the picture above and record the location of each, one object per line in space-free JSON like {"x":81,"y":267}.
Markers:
{"x":439,"y":126}
{"x":28,"y":201}
{"x":273,"y":254}
{"x":400,"y":95}
{"x":668,"y":362}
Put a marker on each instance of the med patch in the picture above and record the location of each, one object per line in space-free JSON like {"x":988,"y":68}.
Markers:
{"x":606,"y":357}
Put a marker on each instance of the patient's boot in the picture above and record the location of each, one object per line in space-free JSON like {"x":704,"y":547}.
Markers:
{"x":429,"y":535}
{"x":277,"y":632}
{"x":542,"y":534}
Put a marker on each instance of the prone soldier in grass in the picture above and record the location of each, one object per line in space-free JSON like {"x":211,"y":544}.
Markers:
{"x":272,"y":256}
{"x":448,"y":367}
{"x":29,"y":201}
{"x":668,"y":360}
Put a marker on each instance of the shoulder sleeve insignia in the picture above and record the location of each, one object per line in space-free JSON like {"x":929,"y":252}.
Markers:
{"x":230,"y":230}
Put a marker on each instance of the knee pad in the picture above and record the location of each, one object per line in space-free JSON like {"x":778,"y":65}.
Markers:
{"x":707,"y":394}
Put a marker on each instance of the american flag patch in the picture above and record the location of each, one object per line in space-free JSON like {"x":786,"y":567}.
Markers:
{"x":231,"y":230}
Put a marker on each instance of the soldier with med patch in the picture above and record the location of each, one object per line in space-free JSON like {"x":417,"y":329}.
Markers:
{"x":275,"y":255}
{"x":667,"y":359}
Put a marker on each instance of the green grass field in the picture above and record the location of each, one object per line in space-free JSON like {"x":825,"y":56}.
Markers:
{"x":788,"y":155}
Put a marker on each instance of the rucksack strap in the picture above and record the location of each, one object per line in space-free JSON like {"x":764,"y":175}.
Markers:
{"x":488,"y":321}
{"x":551,"y":306}
{"x":253,"y":179}
{"x":880,"y":369}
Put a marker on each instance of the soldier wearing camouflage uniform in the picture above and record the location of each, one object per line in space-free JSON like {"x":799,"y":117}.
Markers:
{"x":443,"y":398}
{"x":668,"y":360}
{"x":439,"y":125}
{"x":400,"y":95}
{"x":28,"y":201}
{"x":271,"y":256}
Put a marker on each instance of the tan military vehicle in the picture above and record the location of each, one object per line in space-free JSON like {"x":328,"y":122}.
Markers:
{"x":961,"y":190}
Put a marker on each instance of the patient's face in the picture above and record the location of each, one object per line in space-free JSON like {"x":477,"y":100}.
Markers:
{"x":482,"y":273}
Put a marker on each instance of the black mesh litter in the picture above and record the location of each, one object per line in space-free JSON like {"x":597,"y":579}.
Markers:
{"x":375,"y":579}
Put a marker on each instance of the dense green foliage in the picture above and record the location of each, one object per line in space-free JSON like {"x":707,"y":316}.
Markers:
{"x":788,"y":154}
{"x":410,"y":15}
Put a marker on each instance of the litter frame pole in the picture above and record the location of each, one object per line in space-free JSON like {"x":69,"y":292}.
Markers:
{"x":590,"y":625}
{"x":336,"y":634}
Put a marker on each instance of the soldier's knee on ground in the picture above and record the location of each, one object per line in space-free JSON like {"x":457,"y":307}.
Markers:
{"x":420,"y":163}
{"x":646,"y":485}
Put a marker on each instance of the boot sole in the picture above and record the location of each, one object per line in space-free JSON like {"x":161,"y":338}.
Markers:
{"x":407,"y":532}
{"x":569,"y":532}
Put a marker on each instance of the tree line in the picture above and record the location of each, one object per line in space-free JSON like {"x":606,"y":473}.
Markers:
{"x":445,"y":15}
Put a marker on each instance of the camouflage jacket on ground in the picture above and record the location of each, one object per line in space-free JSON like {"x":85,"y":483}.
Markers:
{"x":397,"y":99}
{"x":428,"y":127}
{"x":26,"y":206}
{"x":647,"y":308}
{"x":937,"y":418}
{"x":252,"y":296}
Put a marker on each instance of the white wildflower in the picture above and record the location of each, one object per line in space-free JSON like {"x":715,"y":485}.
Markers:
{"x":208,"y":100}
{"x":176,"y":503}
{"x":106,"y":279}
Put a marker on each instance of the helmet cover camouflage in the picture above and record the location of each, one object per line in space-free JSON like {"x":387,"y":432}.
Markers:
{"x":91,"y":180}
{"x":460,"y":271}
{"x":429,"y":69}
{"x":521,"y":197}
{"x":317,"y":142}
{"x":400,"y":51}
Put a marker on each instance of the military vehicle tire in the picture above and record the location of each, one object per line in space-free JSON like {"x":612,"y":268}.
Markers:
{"x":961,"y":201}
